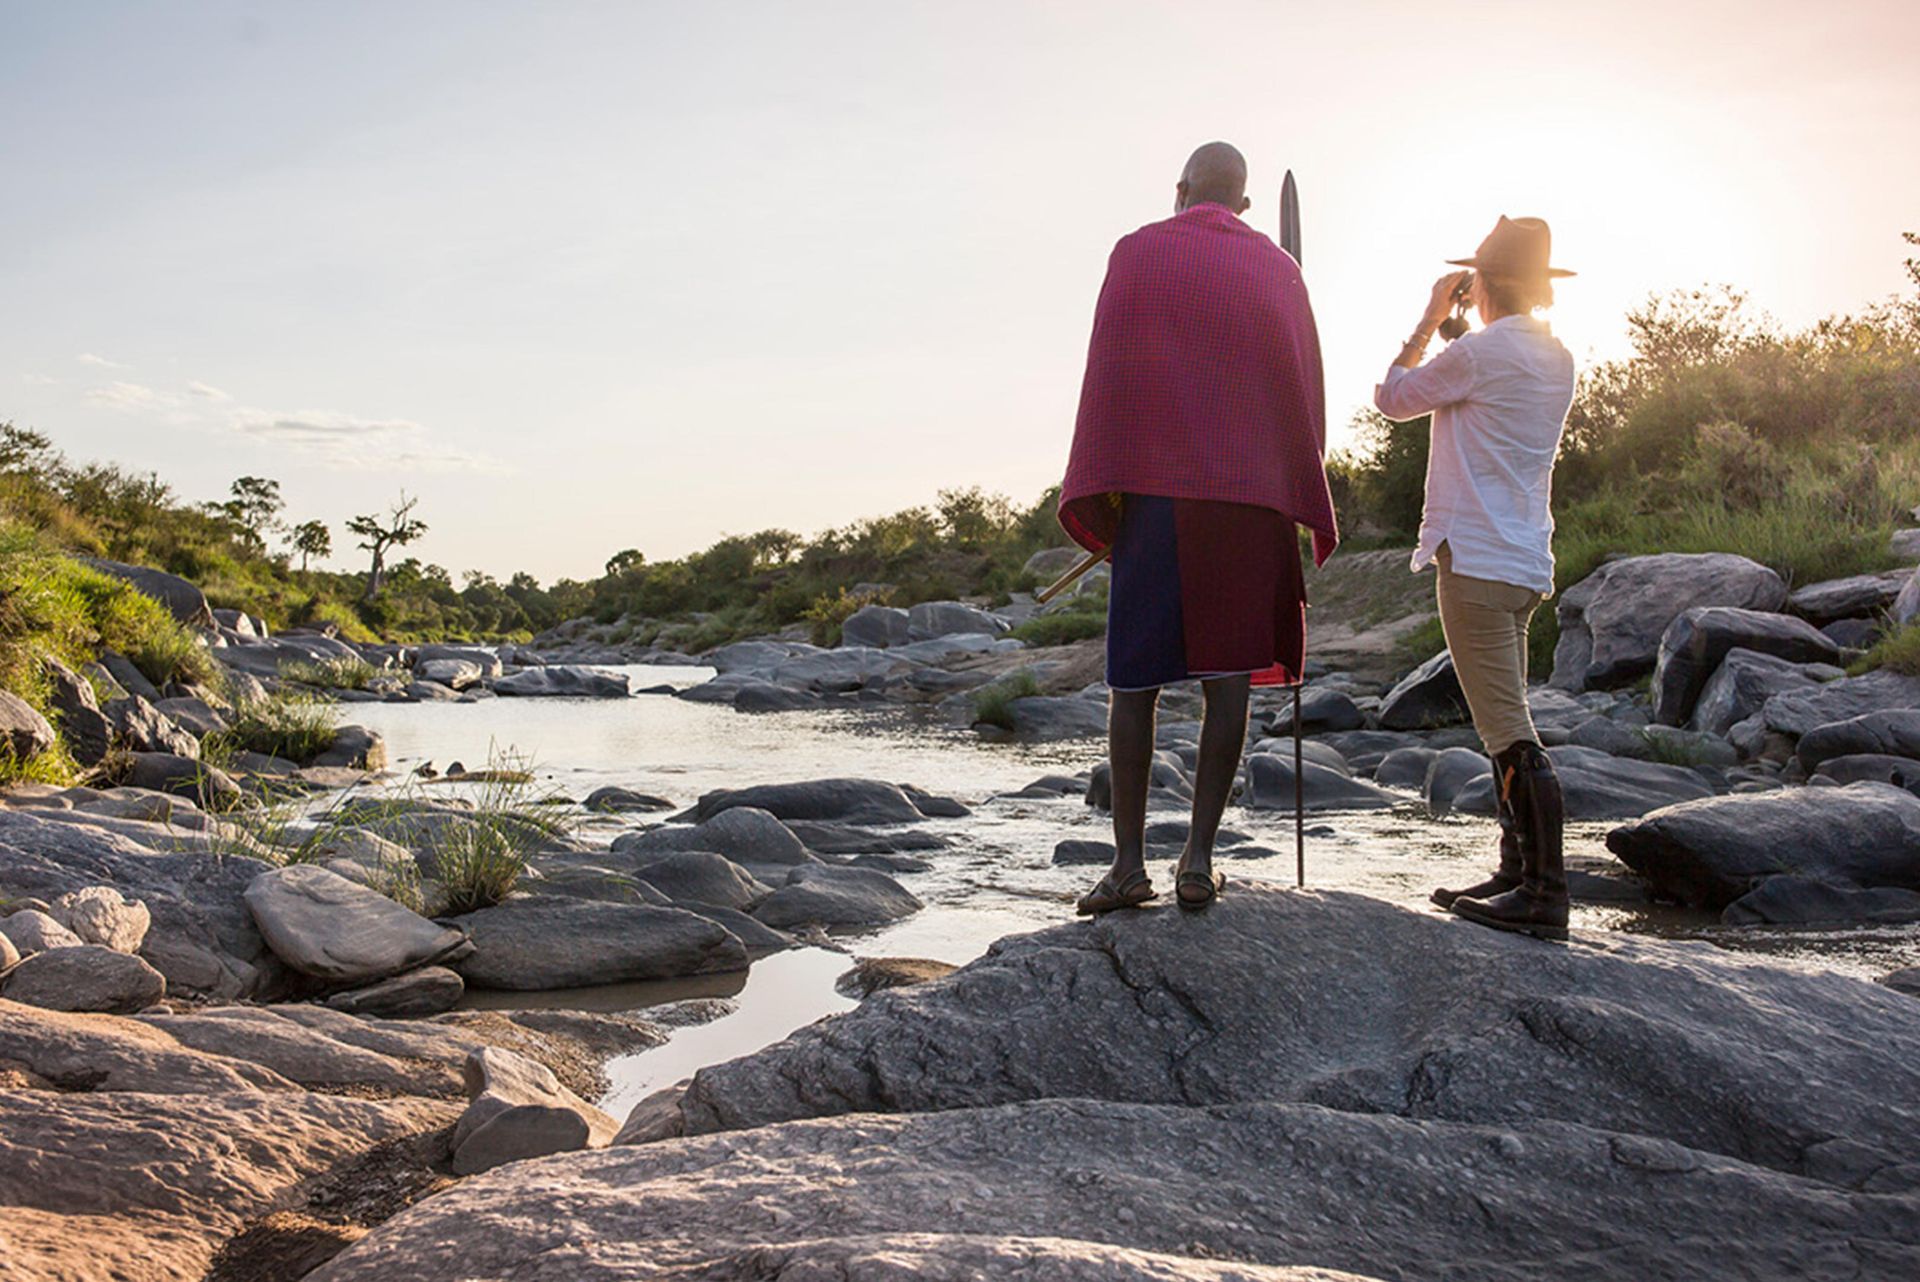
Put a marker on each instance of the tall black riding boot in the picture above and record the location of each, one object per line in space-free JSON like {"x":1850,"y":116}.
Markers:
{"x":1538,"y":905}
{"x":1507,"y":875}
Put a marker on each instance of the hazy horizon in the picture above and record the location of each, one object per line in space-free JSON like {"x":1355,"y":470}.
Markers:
{"x":586,"y":277}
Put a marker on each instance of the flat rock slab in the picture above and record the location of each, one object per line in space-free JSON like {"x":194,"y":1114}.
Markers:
{"x":1333,"y":998}
{"x":1798,"y":712}
{"x":1070,"y":1190}
{"x":85,"y":977}
{"x":324,"y":925}
{"x":564,"y":681}
{"x":532,"y":944}
{"x":414,"y":995}
{"x":825,"y":895}
{"x":1599,"y":786}
{"x":105,"y":1187}
{"x":1709,"y":853}
{"x":861,"y":801}
{"x":1894,"y":732}
{"x":201,"y":936}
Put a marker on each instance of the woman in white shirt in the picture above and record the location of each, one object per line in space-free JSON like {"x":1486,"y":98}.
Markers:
{"x":1499,"y":398}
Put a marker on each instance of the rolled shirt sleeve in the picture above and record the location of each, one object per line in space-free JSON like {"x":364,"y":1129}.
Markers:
{"x":1444,"y":380}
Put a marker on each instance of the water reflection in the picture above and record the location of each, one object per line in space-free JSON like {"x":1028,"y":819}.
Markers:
{"x":996,"y":876}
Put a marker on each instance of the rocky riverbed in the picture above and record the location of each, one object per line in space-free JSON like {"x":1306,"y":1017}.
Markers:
{"x":234,"y":1039}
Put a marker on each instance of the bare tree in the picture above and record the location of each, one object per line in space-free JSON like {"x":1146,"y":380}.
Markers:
{"x":378,"y":533}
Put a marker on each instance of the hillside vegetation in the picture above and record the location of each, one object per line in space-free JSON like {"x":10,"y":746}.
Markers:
{"x":1722,"y":432}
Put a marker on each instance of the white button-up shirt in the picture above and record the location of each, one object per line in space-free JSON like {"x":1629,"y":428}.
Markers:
{"x":1499,"y":399}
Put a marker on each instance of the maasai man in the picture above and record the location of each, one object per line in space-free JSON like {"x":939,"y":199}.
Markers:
{"x":1199,"y":446}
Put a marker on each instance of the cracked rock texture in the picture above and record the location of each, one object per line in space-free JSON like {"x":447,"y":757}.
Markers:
{"x":1070,"y":1189}
{"x":1337,"y":999}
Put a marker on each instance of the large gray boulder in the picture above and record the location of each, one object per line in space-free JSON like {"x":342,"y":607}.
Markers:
{"x":826,"y":895}
{"x":1322,"y":710}
{"x":1270,"y":786}
{"x":1741,"y":686}
{"x":1045,"y":717}
{"x":1796,"y":712}
{"x":184,"y":600}
{"x":31,"y":931}
{"x":24,"y":733}
{"x":1709,"y":853}
{"x":844,"y":671}
{"x":140,"y":726}
{"x":1428,"y":696}
{"x":87,"y":731}
{"x":103,"y":915}
{"x":1855,"y":597}
{"x":744,"y":834}
{"x":702,"y":877}
{"x":1334,"y":999}
{"x":322,"y":924}
{"x":541,"y":943}
{"x":1697,"y":640}
{"x":932,"y":619}
{"x":85,"y":977}
{"x":1611,"y":621}
{"x":1792,"y":900}
{"x":453,"y":673}
{"x":565,"y":680}
{"x":1894,"y":733}
{"x":1599,"y":786}
{"x":414,"y":995}
{"x":201,"y":936}
{"x":487,"y":661}
{"x":862,"y":801}
{"x":877,"y":626}
{"x":1449,"y":771}
{"x":519,"y":1110}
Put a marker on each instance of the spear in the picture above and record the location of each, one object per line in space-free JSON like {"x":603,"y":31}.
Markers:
{"x":1290,"y":241}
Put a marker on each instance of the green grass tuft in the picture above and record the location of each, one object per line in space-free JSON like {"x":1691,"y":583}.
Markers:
{"x":990,"y":702}
{"x":343,"y":672}
{"x":1898,"y":652}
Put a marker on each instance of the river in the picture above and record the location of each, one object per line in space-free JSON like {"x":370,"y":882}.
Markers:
{"x":996,"y":879}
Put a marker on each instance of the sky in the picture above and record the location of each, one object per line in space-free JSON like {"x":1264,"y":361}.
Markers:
{"x":585,"y":277}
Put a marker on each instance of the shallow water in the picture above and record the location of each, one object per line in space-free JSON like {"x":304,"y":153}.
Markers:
{"x":996,"y":878}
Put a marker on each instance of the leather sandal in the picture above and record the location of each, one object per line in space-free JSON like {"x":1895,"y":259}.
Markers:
{"x":1195,"y":890}
{"x":1108,"y":895}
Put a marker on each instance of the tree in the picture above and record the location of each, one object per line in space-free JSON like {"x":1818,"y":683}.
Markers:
{"x":24,"y":450}
{"x":312,"y":538}
{"x":1913,"y":264}
{"x":255,"y":507}
{"x":381,"y":533}
{"x":620,"y":562}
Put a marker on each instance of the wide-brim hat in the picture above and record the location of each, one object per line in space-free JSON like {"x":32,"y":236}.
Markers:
{"x":1518,"y":247}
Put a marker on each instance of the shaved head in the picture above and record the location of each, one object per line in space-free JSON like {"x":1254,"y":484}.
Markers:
{"x":1215,"y":173}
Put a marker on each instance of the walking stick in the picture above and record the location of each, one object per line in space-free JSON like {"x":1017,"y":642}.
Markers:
{"x":1290,"y":241}
{"x":1299,"y":797}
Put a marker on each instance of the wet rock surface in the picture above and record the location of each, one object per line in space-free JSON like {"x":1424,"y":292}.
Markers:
{"x":1305,"y":1080}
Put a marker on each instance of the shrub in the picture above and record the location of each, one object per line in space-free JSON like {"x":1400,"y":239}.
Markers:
{"x":990,"y":702}
{"x":1898,"y":651}
{"x":828,"y":612}
{"x":297,"y":727}
{"x":1062,"y":628}
{"x":341,"y":672}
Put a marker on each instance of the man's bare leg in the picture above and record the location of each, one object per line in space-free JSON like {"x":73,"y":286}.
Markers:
{"x":1130,"y":757}
{"x":1223,"y":733}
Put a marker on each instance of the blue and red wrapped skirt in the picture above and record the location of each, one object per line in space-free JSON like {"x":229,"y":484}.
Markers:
{"x":1204,"y":589}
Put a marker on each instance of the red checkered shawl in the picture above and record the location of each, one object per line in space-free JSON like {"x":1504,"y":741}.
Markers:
{"x":1203,"y":381}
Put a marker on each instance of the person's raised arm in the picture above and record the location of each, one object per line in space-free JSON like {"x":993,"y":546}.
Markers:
{"x":1411,"y":389}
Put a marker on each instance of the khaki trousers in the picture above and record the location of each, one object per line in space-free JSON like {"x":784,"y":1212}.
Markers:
{"x":1486,"y":625}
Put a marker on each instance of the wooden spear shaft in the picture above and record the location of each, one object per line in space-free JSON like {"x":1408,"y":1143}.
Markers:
{"x":1070,"y":578}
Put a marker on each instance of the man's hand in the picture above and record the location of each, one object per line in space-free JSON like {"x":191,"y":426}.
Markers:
{"x":1441,"y":304}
